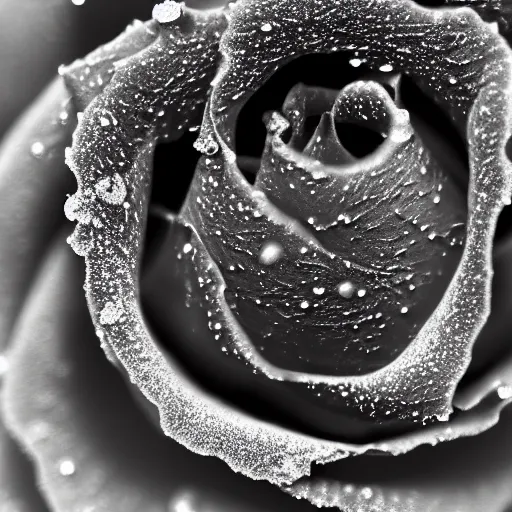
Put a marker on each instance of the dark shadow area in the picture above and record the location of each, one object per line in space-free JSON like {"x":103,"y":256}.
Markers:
{"x":359,"y":140}
{"x":174,"y":166}
{"x":431,"y":3}
{"x":308,"y":69}
{"x":21,"y":480}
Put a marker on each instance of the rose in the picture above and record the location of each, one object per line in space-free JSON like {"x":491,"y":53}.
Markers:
{"x":38,"y":441}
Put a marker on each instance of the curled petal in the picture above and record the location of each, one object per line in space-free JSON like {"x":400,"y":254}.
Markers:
{"x":468,"y":474}
{"x":110,"y":235}
{"x":474,"y":90}
{"x":88,"y":77}
{"x":91,"y":447}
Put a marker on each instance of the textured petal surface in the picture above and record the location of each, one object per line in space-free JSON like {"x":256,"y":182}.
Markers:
{"x":92,"y":447}
{"x":258,"y":449}
{"x":466,"y":475}
{"x":477,"y":99}
{"x":375,"y":245}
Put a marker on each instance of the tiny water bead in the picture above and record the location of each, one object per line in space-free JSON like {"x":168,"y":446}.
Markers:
{"x":182,"y":503}
{"x":4,"y":364}
{"x":78,"y":2}
{"x":112,"y":190}
{"x":386,"y":68}
{"x":270,"y":253}
{"x":37,"y":149}
{"x":206,"y":145}
{"x":505,"y":392}
{"x":167,"y":12}
{"x":267,"y":27}
{"x":111,"y":313}
{"x":366,"y":493}
{"x":67,"y":467}
{"x":346,"y":289}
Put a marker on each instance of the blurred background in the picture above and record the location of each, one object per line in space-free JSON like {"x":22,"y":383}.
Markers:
{"x":37,"y":36}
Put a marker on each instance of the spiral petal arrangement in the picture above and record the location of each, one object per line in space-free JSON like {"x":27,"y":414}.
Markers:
{"x":322,"y":250}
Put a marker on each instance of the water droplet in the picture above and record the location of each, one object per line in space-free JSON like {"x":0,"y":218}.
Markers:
{"x":318,"y":291}
{"x":79,"y":243}
{"x":355,"y":62}
{"x":267,"y":27}
{"x":452,"y":80}
{"x":4,"y":364}
{"x":366,"y":493}
{"x":182,"y":503}
{"x":111,"y":313}
{"x":112,"y":190}
{"x":167,"y":11}
{"x":437,"y":199}
{"x":78,"y":2}
{"x":404,"y":310}
{"x":361,"y":293}
{"x":304,"y":304}
{"x":386,"y":68}
{"x":270,"y":253}
{"x":187,"y":248}
{"x":37,"y":149}
{"x":104,"y":121}
{"x":206,"y":145}
{"x":277,"y":124}
{"x":67,"y":467}
{"x":505,"y":392}
{"x":494,"y":27}
{"x":346,"y":289}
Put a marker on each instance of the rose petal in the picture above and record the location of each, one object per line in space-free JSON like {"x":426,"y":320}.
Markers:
{"x":179,"y":275}
{"x":88,"y":77}
{"x":467,"y":475}
{"x":492,"y":346}
{"x":443,"y":346}
{"x":33,"y":184}
{"x":25,"y":73}
{"x":18,"y":492}
{"x":382,"y":227}
{"x":492,"y":367}
{"x":67,"y":405}
{"x":205,"y":425}
{"x":92,"y":448}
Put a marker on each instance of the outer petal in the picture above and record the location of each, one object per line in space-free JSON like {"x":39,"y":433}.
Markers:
{"x":92,"y":447}
{"x":94,"y":450}
{"x":467,"y":475}
{"x":18,"y":490}
{"x":33,"y":184}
